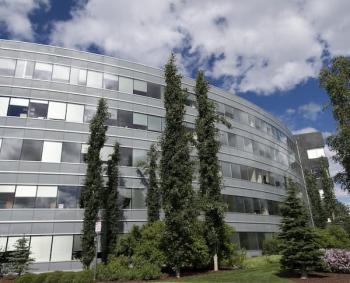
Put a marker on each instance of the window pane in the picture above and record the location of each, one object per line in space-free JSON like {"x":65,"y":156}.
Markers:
{"x":223,"y":138}
{"x":11,"y":149}
{"x":239,"y":204}
{"x":125,"y":118}
{"x":78,"y":76}
{"x":232,"y":139}
{"x":42,"y":71}
{"x":75,"y":113}
{"x":153,"y":90}
{"x":248,"y":240}
{"x":76,"y":247}
{"x":110,"y":81}
{"x":140,"y":87}
{"x":140,"y":121}
{"x":38,"y":109}
{"x":3,"y":242}
{"x":31,"y":150}
{"x":226,"y":169}
{"x":89,"y":113}
{"x":138,"y":198}
{"x":60,"y":73}
{"x":125,"y":85}
{"x":7,"y":195}
{"x":125,"y":156}
{"x":94,"y":79}
{"x":18,"y":107}
{"x":20,"y":68}
{"x":138,"y":155}
{"x":52,"y":152}
{"x":105,"y":152}
{"x":7,"y":67}
{"x":256,"y":205}
{"x":29,"y":69}
{"x":62,"y":248}
{"x":71,"y":152}
{"x":40,"y":246}
{"x":25,"y":191}
{"x":125,"y":198}
{"x":4,"y":103}
{"x":248,"y":205}
{"x":236,"y":171}
{"x":112,"y":120}
{"x":244,"y":172}
{"x":154,"y":123}
{"x":57,"y":110}
{"x":68,"y":197}
{"x":11,"y":243}
{"x":248,"y":145}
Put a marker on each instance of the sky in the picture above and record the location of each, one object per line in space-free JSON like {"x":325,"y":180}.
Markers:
{"x":269,"y":52}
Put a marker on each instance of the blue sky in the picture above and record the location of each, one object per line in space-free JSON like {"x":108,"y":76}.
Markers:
{"x":269,"y":52}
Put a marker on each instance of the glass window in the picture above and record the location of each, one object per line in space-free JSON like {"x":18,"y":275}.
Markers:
{"x":239,"y":142}
{"x":248,"y":205}
{"x":125,"y":197}
{"x":78,"y":76}
{"x":248,"y":145}
{"x":75,"y":113}
{"x":138,"y":198}
{"x":29,"y":69}
{"x":12,"y":241}
{"x":7,"y":195}
{"x":42,"y":71}
{"x":232,"y":139}
{"x":154,"y":123}
{"x":40,"y":246}
{"x":71,"y":152}
{"x":110,"y":81}
{"x":239,"y":204}
{"x":89,"y":113}
{"x":57,"y":110}
{"x":236,"y":171}
{"x":60,"y":73}
{"x":264,"y":207}
{"x":126,"y":85}
{"x":153,"y":90}
{"x":52,"y":152}
{"x":38,"y":109}
{"x":243,"y":117}
{"x":138,"y":155}
{"x":259,"y":178}
{"x":3,"y":242}
{"x":46,"y":197}
{"x":11,"y":149}
{"x":248,"y":240}
{"x":106,"y":152}
{"x":62,"y":248}
{"x":84,"y":150}
{"x":256,"y":206}
{"x":68,"y":197}
{"x":76,"y":247}
{"x":20,"y":68}
{"x":7,"y":67}
{"x":4,"y":104}
{"x":125,"y":118}
{"x":94,"y":79}
{"x":139,"y":121}
{"x":18,"y":107}
{"x":25,"y":197}
{"x":226,"y":169}
{"x":230,"y":202}
{"x":140,"y":87}
{"x":31,"y":150}
{"x":113,"y":117}
{"x":229,"y":112}
{"x":251,"y":174}
{"x":223,"y":138}
{"x":125,"y":156}
{"x":315,"y":153}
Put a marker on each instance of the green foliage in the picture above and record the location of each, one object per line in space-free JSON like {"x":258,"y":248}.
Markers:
{"x":228,"y":254}
{"x":271,"y":246}
{"x":91,"y":194}
{"x":19,"y":259}
{"x":112,"y":212}
{"x":299,"y":248}
{"x":335,"y":80}
{"x":342,"y":216}
{"x":57,"y":277}
{"x":176,"y":173}
{"x":319,"y":213}
{"x":334,"y":236}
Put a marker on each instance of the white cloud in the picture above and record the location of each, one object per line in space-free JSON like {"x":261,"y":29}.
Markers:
{"x":304,"y":131}
{"x":14,"y":16}
{"x":310,"y":111}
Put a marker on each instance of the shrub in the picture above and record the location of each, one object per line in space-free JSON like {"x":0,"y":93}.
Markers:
{"x":271,"y":246}
{"x":334,"y":236}
{"x":26,"y":278}
{"x":57,"y":277}
{"x":337,"y":260}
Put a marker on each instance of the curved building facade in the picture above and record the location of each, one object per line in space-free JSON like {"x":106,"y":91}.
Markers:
{"x":49,"y":94}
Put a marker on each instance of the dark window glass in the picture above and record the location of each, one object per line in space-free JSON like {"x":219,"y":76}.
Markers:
{"x":229,"y":200}
{"x":89,"y":113}
{"x":43,"y":202}
{"x":264,"y":207}
{"x":256,"y":205}
{"x":229,"y":112}
{"x":6,"y":200}
{"x":24,"y":202}
{"x":244,"y":172}
{"x":71,"y":152}
{"x":226,"y":169}
{"x":113,"y":116}
{"x":76,"y":251}
{"x":32,"y":150}
{"x":68,"y":197}
{"x":261,"y":238}
{"x":125,"y":118}
{"x":154,"y":123}
{"x":17,"y":111}
{"x":236,"y":171}
{"x":153,"y":90}
{"x":38,"y":110}
{"x":232,"y":139}
{"x":239,"y":204}
{"x":248,"y":205}
{"x":248,"y":240}
{"x":11,"y":149}
{"x":125,"y":156}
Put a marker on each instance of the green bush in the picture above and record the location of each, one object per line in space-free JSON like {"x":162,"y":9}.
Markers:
{"x":271,"y":246}
{"x":26,"y":278}
{"x":148,"y":271}
{"x":56,"y":277}
{"x":333,"y":236}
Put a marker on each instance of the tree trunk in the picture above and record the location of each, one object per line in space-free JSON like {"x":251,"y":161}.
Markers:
{"x":303,"y":274}
{"x":216,"y":265}
{"x":177,"y":273}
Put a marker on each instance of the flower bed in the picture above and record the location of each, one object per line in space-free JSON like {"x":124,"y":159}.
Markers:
{"x":337,"y":260}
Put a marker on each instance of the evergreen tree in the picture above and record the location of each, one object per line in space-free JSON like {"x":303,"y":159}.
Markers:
{"x":153,"y":200}
{"x":176,"y":174}
{"x":208,"y":146}
{"x":299,"y":248}
{"x":19,"y":259}
{"x":335,"y":80}
{"x":92,"y":192}
{"x":112,"y":211}
{"x":329,"y":199}
{"x":319,"y":214}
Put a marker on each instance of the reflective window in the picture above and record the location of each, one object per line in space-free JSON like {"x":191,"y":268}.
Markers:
{"x":12,"y":241}
{"x":238,"y":204}
{"x":18,"y":107}
{"x":315,"y":153}
{"x":139,"y":121}
{"x":125,"y":118}
{"x":46,"y":197}
{"x":4,"y":103}
{"x":110,"y":81}
{"x":25,"y":197}
{"x":60,"y":73}
{"x":7,"y":195}
{"x":20,"y":68}
{"x":11,"y":149}
{"x":68,"y":197}
{"x":248,"y":240}
{"x":40,"y":246}
{"x":106,"y":152}
{"x":138,"y":155}
{"x":75,"y":113}
{"x":248,"y":205}
{"x":71,"y":152}
{"x":153,"y":90}
{"x":76,"y":247}
{"x":112,"y":120}
{"x":125,"y":197}
{"x":42,"y":71}
{"x":94,"y":79}
{"x":7,"y":67}
{"x":89,"y":113}
{"x":125,"y":85}
{"x":154,"y":123}
{"x":226,"y":169}
{"x":138,"y":198}
{"x":78,"y":76}
{"x":29,"y":70}
{"x":232,"y":140}
{"x":31,"y":150}
{"x":62,"y":248}
{"x":140,"y":87}
{"x":248,"y":145}
{"x":38,"y":109}
{"x":223,"y":138}
{"x":125,"y":156}
{"x":52,"y":152}
{"x":256,"y":206}
{"x":236,"y":171}
{"x":57,"y":110}
{"x":3,"y":242}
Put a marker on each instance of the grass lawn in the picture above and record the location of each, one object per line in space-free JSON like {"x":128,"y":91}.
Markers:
{"x":257,"y":270}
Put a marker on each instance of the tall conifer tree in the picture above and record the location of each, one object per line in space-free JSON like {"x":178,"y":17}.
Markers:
{"x":112,"y":210}
{"x":329,"y":199}
{"x":91,"y":194}
{"x":176,"y":174}
{"x":208,"y":146}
